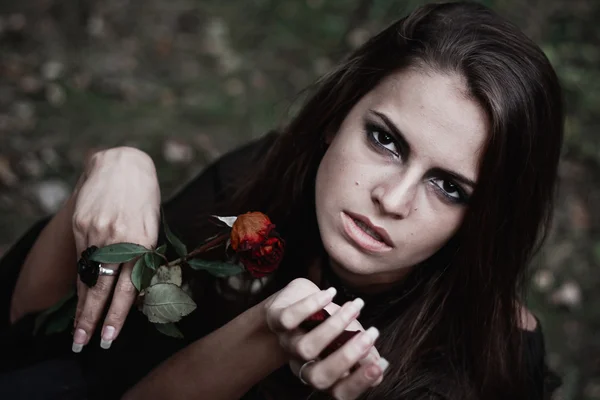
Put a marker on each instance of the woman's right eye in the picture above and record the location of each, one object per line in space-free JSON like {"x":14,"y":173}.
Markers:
{"x":383,"y":139}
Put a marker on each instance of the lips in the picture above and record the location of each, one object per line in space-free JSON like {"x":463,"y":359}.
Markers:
{"x":364,"y":234}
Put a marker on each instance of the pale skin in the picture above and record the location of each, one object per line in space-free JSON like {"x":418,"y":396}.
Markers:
{"x":398,"y":190}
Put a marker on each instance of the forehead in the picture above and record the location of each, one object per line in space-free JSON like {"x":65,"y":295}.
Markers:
{"x":441,"y":122}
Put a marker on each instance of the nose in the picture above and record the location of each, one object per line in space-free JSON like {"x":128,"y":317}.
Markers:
{"x":395,"y":196}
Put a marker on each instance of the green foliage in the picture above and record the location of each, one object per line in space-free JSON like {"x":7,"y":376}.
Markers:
{"x":118,"y":253}
{"x":217,"y":268}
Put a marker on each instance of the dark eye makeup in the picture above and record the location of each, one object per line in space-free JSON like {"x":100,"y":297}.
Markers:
{"x":385,"y":143}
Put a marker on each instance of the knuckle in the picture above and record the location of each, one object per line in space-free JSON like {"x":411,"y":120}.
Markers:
{"x":300,"y":283}
{"x":338,"y":324}
{"x":318,"y":379}
{"x":116,"y":317}
{"x":101,"y":288}
{"x":286,"y":320}
{"x":339,"y":394}
{"x":348,"y":357}
{"x":306,"y":350}
{"x":126,"y":287}
{"x":361,"y":344}
{"x":87,"y":319}
{"x":100,"y":223}
{"x":116,"y":229}
{"x":80,"y":222}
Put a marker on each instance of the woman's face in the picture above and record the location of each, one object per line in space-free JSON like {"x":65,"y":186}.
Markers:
{"x":395,"y":181}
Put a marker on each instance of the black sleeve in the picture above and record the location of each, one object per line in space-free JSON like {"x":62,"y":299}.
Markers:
{"x":10,"y":265}
{"x":543,"y":381}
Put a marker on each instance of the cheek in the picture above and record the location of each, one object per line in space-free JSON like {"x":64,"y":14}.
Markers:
{"x":431,"y":228}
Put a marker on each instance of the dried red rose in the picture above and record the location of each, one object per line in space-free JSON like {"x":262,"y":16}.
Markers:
{"x":256,"y":243}
{"x":315,"y":320}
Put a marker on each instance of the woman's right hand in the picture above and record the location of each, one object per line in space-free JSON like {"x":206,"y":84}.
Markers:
{"x":300,"y":299}
{"x":117,"y":199}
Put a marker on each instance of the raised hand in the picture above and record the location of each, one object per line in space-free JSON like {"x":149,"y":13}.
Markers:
{"x":117,"y":200}
{"x":348,"y":371}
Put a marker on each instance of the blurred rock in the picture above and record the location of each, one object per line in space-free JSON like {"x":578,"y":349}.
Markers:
{"x":579,"y":215}
{"x":24,"y":113}
{"x":357,"y":37}
{"x":50,"y":157}
{"x":592,"y":390}
{"x":568,"y":294}
{"x":96,"y":27}
{"x":234,"y":87}
{"x":177,"y":152}
{"x":7,"y":175}
{"x":322,"y":65}
{"x":16,"y":22}
{"x":30,"y":84}
{"x":55,"y":95}
{"x":51,"y":194}
{"x":543,"y":279}
{"x":31,"y":166}
{"x":206,"y":145}
{"x":52,"y":70}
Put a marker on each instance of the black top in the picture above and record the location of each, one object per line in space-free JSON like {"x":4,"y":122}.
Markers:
{"x":43,"y":367}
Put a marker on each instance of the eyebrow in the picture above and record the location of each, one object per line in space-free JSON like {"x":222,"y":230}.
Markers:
{"x":400,"y":137}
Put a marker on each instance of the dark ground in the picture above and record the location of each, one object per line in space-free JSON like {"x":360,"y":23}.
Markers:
{"x":188,"y":80}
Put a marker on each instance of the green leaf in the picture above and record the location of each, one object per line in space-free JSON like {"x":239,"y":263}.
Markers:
{"x":58,"y":316}
{"x":152,"y":260}
{"x":166,"y":274}
{"x":162,"y":249}
{"x":169,"y":329}
{"x":118,"y":253}
{"x":216,"y":268}
{"x":174,"y":240}
{"x":165,"y":302}
{"x":141,"y":274}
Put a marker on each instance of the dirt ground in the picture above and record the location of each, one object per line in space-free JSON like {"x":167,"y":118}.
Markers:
{"x":188,"y":80}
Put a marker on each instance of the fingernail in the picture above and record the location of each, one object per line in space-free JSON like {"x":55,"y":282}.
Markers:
{"x":327,"y":295}
{"x":108,"y":334}
{"x":78,"y":340}
{"x":383,"y":364}
{"x":372,"y":332}
{"x":358,"y":304}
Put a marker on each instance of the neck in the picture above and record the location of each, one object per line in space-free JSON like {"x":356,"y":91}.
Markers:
{"x":360,"y":284}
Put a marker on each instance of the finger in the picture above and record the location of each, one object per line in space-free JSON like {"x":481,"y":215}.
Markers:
{"x":80,"y":245}
{"x":292,"y":316}
{"x":81,"y":294}
{"x":312,"y":344}
{"x":95,"y":301}
{"x":122,"y":301}
{"x":327,"y":372}
{"x":359,"y":381}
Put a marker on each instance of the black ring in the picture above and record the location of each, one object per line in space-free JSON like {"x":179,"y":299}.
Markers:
{"x":87,"y":269}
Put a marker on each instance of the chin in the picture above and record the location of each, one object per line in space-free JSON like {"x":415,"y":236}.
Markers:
{"x":350,"y":259}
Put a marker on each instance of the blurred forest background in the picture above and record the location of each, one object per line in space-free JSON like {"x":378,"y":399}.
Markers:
{"x":187,"y":80}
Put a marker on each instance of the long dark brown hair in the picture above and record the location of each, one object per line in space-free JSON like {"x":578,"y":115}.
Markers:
{"x":460,"y":336}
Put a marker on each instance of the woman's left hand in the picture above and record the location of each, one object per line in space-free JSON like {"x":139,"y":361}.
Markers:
{"x":298,"y":301}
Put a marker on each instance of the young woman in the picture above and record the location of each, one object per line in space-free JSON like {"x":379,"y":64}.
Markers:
{"x":417,"y":180}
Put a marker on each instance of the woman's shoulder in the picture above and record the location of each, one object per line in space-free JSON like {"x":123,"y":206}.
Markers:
{"x":534,"y":355}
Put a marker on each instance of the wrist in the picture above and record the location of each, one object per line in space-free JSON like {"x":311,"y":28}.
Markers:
{"x":280,"y":356}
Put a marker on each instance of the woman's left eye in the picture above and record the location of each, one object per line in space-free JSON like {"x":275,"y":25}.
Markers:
{"x":449,"y":188}
{"x":383,"y":139}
